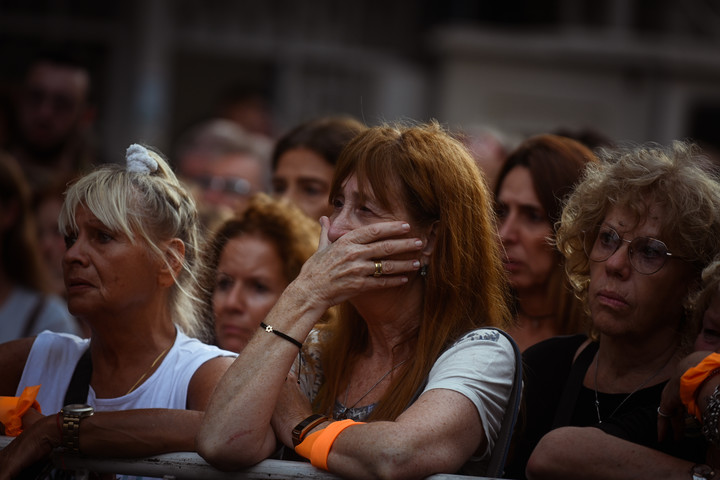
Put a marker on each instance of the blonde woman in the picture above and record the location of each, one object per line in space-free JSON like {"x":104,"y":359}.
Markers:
{"x":130,"y":272}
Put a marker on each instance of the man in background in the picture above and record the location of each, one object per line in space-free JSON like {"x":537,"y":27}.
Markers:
{"x":54,"y":119}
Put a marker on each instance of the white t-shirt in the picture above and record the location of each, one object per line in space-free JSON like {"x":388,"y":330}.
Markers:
{"x":480,"y":366}
{"x":53,"y":358}
{"x":16,"y":311}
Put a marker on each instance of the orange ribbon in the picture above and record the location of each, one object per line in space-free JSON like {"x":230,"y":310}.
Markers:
{"x":12,"y":410}
{"x":694,"y":378}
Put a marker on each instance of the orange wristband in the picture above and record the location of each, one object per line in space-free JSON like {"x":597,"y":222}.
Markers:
{"x":304,"y":448}
{"x":692,"y":381}
{"x":321,"y":447}
{"x":12,"y":409}
{"x":317,"y":445}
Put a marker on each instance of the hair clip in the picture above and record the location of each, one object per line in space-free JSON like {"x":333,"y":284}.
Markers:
{"x":139,"y":159}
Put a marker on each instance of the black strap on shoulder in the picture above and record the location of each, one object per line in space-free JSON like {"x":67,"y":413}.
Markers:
{"x":79,"y":387}
{"x":566,"y":406}
{"x":496,"y":465}
{"x":32,"y":318}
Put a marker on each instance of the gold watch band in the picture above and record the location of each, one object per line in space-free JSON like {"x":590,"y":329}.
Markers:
{"x":72,"y":416}
{"x":71,"y":433}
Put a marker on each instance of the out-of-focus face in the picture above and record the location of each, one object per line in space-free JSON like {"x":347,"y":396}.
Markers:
{"x":53,"y":105}
{"x":249,"y":280}
{"x":231,"y":180}
{"x":303,"y":177}
{"x":51,"y":241}
{"x":524,"y":232}
{"x":709,"y":337}
{"x":626,"y":303}
{"x":107,"y":276}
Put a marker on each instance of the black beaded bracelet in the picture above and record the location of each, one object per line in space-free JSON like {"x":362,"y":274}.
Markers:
{"x":280,"y":334}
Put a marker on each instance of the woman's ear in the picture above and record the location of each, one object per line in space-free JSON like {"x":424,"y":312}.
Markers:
{"x":431,"y":238}
{"x":173,"y":262}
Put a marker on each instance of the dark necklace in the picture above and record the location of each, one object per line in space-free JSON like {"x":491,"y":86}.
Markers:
{"x":343,"y":412}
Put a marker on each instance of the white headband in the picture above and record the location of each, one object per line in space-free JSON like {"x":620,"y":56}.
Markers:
{"x":139,"y":160}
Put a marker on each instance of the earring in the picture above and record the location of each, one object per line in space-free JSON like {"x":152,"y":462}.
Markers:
{"x":423,"y":270}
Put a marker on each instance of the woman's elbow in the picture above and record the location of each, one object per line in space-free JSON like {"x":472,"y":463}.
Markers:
{"x":544,"y":463}
{"x":227,"y":456}
{"x":391,"y":470}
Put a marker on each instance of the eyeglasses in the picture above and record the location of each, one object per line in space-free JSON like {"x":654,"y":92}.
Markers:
{"x":231,"y":185}
{"x":647,"y":255}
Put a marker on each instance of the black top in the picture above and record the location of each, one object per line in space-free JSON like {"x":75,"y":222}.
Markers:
{"x":547,"y":371}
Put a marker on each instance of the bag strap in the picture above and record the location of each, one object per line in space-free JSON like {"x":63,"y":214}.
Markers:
{"x":566,"y":405}
{"x":498,"y":457}
{"x":77,"y":391}
{"x":33,"y":316}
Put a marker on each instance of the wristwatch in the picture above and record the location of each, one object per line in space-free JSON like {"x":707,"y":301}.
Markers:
{"x":72,"y":415}
{"x":702,"y":472}
{"x":304,"y":427}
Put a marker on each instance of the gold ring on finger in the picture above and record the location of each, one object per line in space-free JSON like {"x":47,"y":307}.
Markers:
{"x":378,"y":268}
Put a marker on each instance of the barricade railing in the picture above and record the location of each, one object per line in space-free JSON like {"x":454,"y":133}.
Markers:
{"x":191,"y":466}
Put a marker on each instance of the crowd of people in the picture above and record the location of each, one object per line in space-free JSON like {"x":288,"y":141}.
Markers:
{"x":366,"y":298}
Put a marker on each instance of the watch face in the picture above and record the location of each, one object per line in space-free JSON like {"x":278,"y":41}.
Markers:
{"x":78,"y":409}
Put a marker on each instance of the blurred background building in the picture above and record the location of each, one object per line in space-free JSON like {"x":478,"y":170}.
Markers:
{"x":634,"y":70}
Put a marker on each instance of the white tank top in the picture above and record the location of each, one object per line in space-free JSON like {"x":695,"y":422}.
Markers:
{"x":53,"y":358}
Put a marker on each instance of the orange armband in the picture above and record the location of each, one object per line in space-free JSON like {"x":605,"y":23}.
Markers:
{"x":12,"y":409}
{"x":316,"y":446}
{"x":693,"y":380}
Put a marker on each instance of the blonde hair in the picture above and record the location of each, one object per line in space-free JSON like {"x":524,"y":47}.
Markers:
{"x":677,"y":179}
{"x":148,"y":207}
{"x":436,"y":179}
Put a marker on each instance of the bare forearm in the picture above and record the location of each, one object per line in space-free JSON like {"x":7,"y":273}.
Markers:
{"x":236,"y":430}
{"x":131,"y":433}
{"x":138,"y":433}
{"x":437,"y":434}
{"x":587,"y":452}
{"x":375,"y":450}
{"x":391,"y":450}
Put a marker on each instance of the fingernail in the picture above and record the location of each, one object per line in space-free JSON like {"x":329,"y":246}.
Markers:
{"x":406,"y":226}
{"x":418,"y":243}
{"x":416,"y":264}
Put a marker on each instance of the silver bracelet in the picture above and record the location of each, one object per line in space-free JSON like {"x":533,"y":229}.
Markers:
{"x":710,"y":418}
